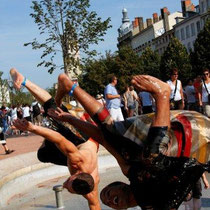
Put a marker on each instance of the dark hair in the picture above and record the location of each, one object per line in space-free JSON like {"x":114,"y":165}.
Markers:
{"x":83,"y":184}
{"x":3,"y":108}
{"x":205,"y":70}
{"x":174,"y":70}
{"x":111,"y":78}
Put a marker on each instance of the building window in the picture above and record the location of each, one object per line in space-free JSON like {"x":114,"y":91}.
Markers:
{"x":177,"y":35}
{"x":188,"y":46}
{"x":187,"y":32}
{"x":192,"y":25}
{"x":182,"y":34}
{"x":198,"y":26}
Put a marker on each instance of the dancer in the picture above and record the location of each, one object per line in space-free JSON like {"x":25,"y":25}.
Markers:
{"x":156,"y":181}
{"x":81,"y":159}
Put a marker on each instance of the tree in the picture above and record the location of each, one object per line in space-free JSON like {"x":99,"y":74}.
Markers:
{"x":4,"y":91}
{"x":70,"y":28}
{"x":150,"y":62}
{"x":201,"y":54}
{"x":124,"y":64}
{"x":176,"y":56}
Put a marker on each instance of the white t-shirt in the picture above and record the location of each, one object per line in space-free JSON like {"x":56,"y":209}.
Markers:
{"x":14,"y":114}
{"x":177,"y":96}
{"x":26,"y":111}
{"x":190,"y":93}
{"x":145,"y":98}
{"x":204,"y":92}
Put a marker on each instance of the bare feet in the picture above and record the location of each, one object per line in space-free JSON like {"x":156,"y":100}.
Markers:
{"x":151,"y":84}
{"x":17,"y":78}
{"x":64,"y":86}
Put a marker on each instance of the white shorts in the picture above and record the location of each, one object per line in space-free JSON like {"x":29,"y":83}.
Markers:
{"x":116,"y":114}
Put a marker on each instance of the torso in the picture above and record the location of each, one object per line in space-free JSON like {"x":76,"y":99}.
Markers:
{"x":172,"y":85}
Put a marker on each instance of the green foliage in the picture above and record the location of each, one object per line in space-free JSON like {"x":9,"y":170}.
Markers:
{"x":176,"y":56}
{"x":200,"y":57}
{"x":20,"y":97}
{"x":150,"y":62}
{"x":68,"y":27}
{"x":122,"y":64}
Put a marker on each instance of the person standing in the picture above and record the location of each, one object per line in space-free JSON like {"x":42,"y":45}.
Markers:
{"x":3,"y":129}
{"x":177,"y":96}
{"x":190,"y":95}
{"x":146,"y":102}
{"x":204,"y":93}
{"x":113,"y":101}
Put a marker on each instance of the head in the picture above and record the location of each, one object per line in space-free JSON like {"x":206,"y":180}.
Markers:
{"x":117,"y":195}
{"x":131,"y":88}
{"x":98,"y":96}
{"x":113,"y":80}
{"x":205,"y":74}
{"x":81,"y":183}
{"x":174,"y":74}
{"x":190,"y":82}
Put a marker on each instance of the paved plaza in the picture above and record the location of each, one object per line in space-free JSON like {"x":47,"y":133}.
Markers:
{"x":31,"y":185}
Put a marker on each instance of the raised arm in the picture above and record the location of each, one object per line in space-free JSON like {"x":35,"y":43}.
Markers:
{"x":86,"y":127}
{"x":61,"y":142}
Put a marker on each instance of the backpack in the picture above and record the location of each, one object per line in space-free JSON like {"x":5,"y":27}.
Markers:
{"x":36,"y":110}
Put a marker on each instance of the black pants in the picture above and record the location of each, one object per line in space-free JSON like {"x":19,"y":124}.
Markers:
{"x":48,"y":152}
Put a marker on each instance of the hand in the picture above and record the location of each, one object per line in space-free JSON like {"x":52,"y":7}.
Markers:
{"x":206,"y":184}
{"x":58,"y":114}
{"x":23,"y":125}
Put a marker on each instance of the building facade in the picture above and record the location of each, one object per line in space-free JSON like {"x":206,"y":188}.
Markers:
{"x":157,"y":32}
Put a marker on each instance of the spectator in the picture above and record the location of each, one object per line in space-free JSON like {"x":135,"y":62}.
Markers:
{"x":3,"y":129}
{"x":190,"y":91}
{"x":204,"y":92}
{"x":13,"y":116}
{"x":26,"y":115}
{"x":113,"y":101}
{"x":130,"y":96}
{"x":36,"y":113}
{"x":100,"y":99}
{"x":146,"y":101}
{"x":177,"y":97}
{"x":196,"y":84}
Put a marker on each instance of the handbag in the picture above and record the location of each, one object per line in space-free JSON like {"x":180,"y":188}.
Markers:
{"x":172,"y":102}
{"x":207,"y":91}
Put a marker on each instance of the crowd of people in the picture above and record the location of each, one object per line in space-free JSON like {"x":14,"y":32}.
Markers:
{"x":32,"y":113}
{"x":162,"y":172}
{"x":194,"y":96}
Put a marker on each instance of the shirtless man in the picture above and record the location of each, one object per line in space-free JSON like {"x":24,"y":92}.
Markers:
{"x":156,"y":181}
{"x":81,"y":159}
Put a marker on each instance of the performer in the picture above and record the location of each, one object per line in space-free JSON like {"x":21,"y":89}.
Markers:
{"x":81,"y":159}
{"x":156,"y":181}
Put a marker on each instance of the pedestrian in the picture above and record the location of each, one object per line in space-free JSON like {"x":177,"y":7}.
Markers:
{"x":146,"y":102}
{"x":190,"y":92}
{"x":204,"y":93}
{"x":130,"y":96}
{"x":177,"y":97}
{"x":3,"y":129}
{"x":113,"y":101}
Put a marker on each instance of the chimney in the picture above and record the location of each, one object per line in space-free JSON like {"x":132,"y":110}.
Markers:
{"x":187,"y":6}
{"x":149,"y":22}
{"x":136,"y":22}
{"x":164,"y":14}
{"x":155,"y":17}
{"x":141,"y":23}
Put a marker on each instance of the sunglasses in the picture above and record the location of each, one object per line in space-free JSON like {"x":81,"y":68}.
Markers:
{"x":175,"y":74}
{"x":206,"y":74}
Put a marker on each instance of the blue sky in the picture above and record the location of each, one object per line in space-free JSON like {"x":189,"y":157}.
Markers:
{"x":17,"y":28}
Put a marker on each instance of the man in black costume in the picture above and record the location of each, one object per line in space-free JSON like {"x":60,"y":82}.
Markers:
{"x":157,"y":181}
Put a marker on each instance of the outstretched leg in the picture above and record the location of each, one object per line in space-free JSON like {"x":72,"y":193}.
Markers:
{"x":40,"y":94}
{"x":89,"y":103}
